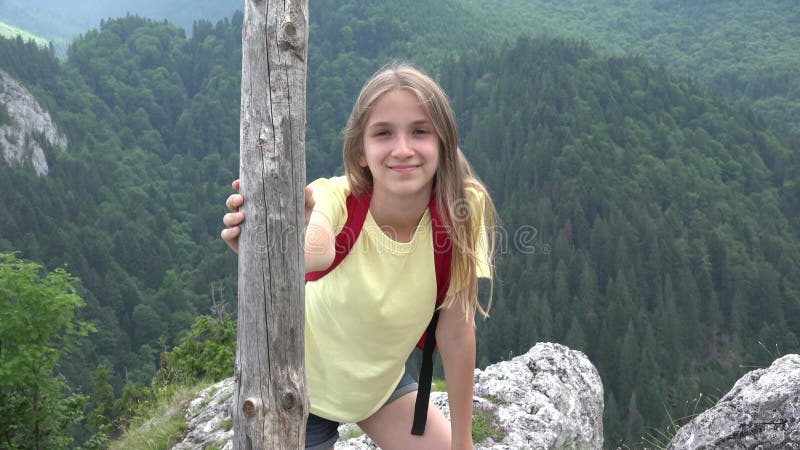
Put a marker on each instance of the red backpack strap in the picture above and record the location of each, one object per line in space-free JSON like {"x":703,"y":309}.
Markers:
{"x":442,"y":257}
{"x":357,"y":208}
{"x":442,"y":261}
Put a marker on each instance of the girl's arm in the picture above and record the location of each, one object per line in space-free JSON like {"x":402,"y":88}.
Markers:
{"x":456,"y":338}
{"x":319,"y":239}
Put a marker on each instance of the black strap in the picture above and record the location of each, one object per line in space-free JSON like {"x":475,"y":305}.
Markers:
{"x":425,"y":378}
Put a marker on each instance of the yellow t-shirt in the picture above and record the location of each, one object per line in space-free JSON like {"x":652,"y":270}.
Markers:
{"x":364,"y":318}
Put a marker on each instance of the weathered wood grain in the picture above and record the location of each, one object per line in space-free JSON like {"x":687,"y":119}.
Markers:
{"x":271,"y":402}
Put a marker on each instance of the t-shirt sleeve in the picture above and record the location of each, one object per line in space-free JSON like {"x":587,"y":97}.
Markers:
{"x":330,"y":196}
{"x":477,"y":202}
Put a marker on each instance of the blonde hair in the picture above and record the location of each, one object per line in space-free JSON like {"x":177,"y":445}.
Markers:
{"x":453,"y":174}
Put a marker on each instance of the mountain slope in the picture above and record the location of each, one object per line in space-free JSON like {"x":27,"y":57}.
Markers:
{"x":646,"y":221}
{"x":746,"y":50}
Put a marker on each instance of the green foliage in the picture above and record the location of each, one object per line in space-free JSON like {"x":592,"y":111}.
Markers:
{"x":643,"y":228}
{"x":159,"y":423}
{"x":494,"y":399}
{"x":38,"y":326}
{"x":100,"y":414}
{"x":11,"y":32}
{"x":351,"y":433}
{"x":206,"y":352}
{"x":227,"y":423}
{"x":746,"y":50}
{"x":663,"y":221}
{"x":134,"y":400}
{"x":485,"y":425}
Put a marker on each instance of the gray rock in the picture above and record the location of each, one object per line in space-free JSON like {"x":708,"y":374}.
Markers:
{"x":208,"y":418}
{"x":29,"y":118}
{"x":762,"y":411}
{"x":548,"y":398}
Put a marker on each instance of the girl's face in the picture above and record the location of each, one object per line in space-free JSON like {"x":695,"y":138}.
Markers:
{"x":401,"y":147}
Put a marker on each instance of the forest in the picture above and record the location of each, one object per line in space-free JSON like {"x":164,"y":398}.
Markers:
{"x":647,"y":218}
{"x":744,"y":50}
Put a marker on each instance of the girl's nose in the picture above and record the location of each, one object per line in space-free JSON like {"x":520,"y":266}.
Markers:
{"x":402,"y":147}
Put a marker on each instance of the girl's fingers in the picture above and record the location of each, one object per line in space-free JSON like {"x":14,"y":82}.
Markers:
{"x":233,"y":219}
{"x":309,"y":198}
{"x":229,"y":233}
{"x":234,"y":202}
{"x":230,"y":236}
{"x":309,"y":204}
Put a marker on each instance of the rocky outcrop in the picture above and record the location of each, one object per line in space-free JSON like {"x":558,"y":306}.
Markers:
{"x":548,"y":398}
{"x":28,"y":119}
{"x":552,"y":397}
{"x":208,"y":418}
{"x":761,"y":411}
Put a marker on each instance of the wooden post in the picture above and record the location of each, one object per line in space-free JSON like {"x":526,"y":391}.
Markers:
{"x":271,"y":401}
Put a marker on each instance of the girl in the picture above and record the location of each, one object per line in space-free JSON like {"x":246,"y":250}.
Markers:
{"x":363,"y":318}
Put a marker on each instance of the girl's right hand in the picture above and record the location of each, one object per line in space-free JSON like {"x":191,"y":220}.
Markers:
{"x":234,"y":218}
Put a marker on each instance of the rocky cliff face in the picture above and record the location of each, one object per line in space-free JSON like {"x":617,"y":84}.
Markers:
{"x":550,"y":397}
{"x":762,"y":411}
{"x":26,"y":121}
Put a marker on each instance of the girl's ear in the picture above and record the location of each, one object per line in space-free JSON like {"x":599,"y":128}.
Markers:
{"x":362,"y":161}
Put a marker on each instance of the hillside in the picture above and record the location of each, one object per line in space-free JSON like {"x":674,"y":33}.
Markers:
{"x":62,"y":21}
{"x":746,"y":50}
{"x":10,"y":31}
{"x":646,"y":221}
{"x":743,"y":49}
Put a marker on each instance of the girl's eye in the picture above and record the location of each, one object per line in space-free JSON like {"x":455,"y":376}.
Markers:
{"x":420,"y":131}
{"x":382,"y":133}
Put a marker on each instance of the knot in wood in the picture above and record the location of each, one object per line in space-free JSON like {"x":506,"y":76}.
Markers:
{"x":251,"y":406}
{"x":288,"y":400}
{"x":293,"y":39}
{"x":289,"y":30}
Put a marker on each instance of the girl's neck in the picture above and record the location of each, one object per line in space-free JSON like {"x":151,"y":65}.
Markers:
{"x":398,"y":217}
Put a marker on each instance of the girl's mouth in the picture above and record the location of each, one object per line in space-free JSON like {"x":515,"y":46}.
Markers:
{"x":404,"y":168}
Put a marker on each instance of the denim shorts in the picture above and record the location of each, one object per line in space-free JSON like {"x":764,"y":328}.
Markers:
{"x":322,"y":434}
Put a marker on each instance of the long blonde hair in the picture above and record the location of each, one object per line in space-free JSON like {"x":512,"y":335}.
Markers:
{"x":453,"y":174}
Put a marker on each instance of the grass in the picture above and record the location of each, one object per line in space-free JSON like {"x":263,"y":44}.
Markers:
{"x":494,"y":399}
{"x":485,"y":426}
{"x":227,"y":423}
{"x":214,"y":446}
{"x":10,"y":31}
{"x":659,"y":439}
{"x":159,"y":424}
{"x":438,"y":385}
{"x":351,"y":433}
